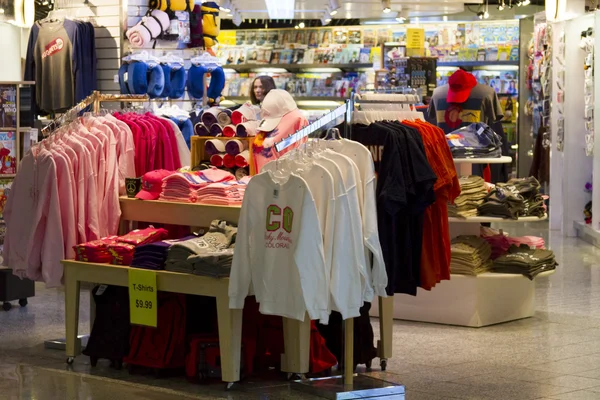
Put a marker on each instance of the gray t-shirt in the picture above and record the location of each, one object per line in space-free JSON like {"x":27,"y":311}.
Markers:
{"x":54,"y":67}
{"x":481,"y":106}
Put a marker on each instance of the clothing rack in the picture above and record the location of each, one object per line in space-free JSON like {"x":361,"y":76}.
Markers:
{"x":93,"y":100}
{"x":348,"y":376}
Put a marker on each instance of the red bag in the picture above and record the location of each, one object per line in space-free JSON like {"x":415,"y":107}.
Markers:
{"x":164,"y":346}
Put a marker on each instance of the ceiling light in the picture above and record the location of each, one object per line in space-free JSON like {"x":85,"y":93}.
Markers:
{"x":501,"y":6}
{"x":480,"y":14}
{"x":1,"y":10}
{"x":386,"y":5}
{"x":526,"y":2}
{"x":445,"y":18}
{"x":226,"y":6}
{"x":486,"y":15}
{"x":301,"y":25}
{"x":280,"y":9}
{"x":325,"y":20}
{"x":401,"y":19}
{"x":296,"y":27}
{"x":334,"y":5}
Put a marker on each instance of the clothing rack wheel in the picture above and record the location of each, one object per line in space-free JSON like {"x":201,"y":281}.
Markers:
{"x":70,"y":360}
{"x":383,"y":364}
{"x":23,"y":302}
{"x":6,"y":306}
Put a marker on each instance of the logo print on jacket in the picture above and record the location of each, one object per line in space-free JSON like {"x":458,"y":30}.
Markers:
{"x":282,"y":221}
{"x":53,"y":47}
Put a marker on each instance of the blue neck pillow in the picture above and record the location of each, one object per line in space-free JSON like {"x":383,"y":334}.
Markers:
{"x":195,"y":81}
{"x":122,"y":83}
{"x":167,"y":73}
{"x":217,"y":84}
{"x":177,"y":83}
{"x":156,"y":81}
{"x":137,"y":80}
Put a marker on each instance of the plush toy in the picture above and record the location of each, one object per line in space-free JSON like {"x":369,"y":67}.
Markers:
{"x":211,"y":23}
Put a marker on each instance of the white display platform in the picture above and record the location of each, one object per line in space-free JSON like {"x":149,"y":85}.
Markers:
{"x":495,"y":160}
{"x":587,"y":233}
{"x":480,"y":220}
{"x":473,"y":301}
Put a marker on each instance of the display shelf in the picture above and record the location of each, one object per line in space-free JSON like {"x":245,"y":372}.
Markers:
{"x":229,"y":321}
{"x":13,"y":129}
{"x":296,"y":67}
{"x":495,"y":160}
{"x":475,"y":64}
{"x":241,"y":99}
{"x":472,"y":301}
{"x":197,"y":149}
{"x":484,"y":219}
{"x":170,"y":212}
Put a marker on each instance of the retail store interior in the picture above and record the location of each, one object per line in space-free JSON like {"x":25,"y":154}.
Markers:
{"x":299,"y":199}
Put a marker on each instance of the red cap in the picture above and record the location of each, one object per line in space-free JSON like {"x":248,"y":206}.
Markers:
{"x":152,"y":184}
{"x":461,"y":83}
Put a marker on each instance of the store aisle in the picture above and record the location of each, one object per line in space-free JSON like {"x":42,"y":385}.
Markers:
{"x":555,"y":355}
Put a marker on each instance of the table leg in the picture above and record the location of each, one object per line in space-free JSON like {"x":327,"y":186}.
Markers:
{"x":71,"y":312}
{"x":348,"y":351}
{"x":386,"y":326}
{"x":230,"y":338}
{"x":296,"y":340}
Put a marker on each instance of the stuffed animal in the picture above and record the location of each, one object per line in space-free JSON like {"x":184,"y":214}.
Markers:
{"x":211,"y":23}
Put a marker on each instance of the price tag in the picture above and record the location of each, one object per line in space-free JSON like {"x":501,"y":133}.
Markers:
{"x":142,"y":297}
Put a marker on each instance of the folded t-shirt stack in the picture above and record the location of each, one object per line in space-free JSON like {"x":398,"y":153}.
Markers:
{"x":472,"y":193}
{"x":209,"y":255}
{"x":209,"y":186}
{"x":524,"y":260}
{"x":153,"y":255}
{"x":95,"y":251}
{"x":513,"y":199}
{"x":501,"y":241}
{"x":118,"y":249}
{"x":470,"y":255}
{"x":475,"y":141}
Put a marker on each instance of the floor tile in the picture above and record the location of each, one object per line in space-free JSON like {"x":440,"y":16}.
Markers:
{"x":561,"y":367}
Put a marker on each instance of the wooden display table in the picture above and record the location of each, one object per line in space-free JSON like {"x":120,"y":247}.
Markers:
{"x":230,"y":321}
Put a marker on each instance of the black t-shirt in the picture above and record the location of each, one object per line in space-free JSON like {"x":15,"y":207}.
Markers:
{"x":404,"y":191}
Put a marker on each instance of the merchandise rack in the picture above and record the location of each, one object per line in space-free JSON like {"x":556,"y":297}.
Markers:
{"x":472,"y":301}
{"x":296,"y":67}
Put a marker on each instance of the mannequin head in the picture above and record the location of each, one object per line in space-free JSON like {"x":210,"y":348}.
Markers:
{"x":260,"y":87}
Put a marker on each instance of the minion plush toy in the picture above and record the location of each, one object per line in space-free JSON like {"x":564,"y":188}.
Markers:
{"x":211,"y":23}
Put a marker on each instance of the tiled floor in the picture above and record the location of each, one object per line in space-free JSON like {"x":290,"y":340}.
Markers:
{"x":554,"y":355}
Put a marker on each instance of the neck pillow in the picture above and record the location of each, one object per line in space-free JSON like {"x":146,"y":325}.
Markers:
{"x":137,"y":80}
{"x":211,"y":23}
{"x":167,"y":74}
{"x":122,"y":82}
{"x":217,"y":160}
{"x":217,"y":84}
{"x":196,"y":36}
{"x":243,"y":114}
{"x":177,"y":83}
{"x":247,"y":128}
{"x":241,"y":160}
{"x":195,"y":81}
{"x":150,"y":27}
{"x":156,"y":81}
{"x":172,"y":5}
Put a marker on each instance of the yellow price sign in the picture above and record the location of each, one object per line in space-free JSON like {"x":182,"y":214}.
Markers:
{"x":143,"y":307}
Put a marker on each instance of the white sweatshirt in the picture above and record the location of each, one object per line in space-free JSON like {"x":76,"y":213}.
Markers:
{"x":358,"y":153}
{"x":346,"y":283}
{"x":352,"y":182}
{"x":279,"y":251}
